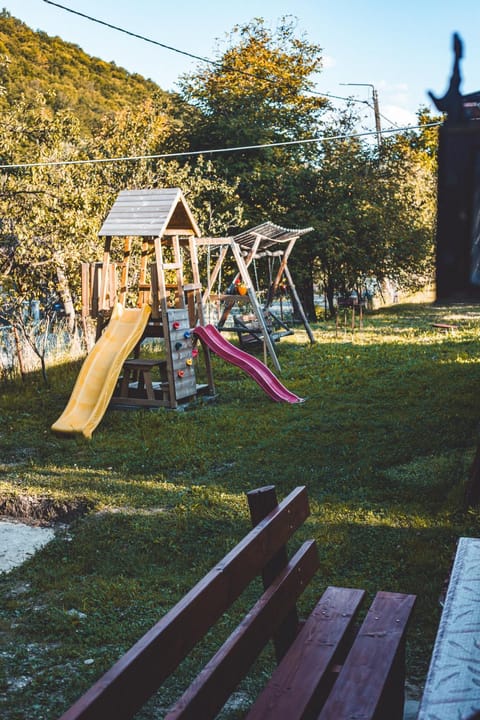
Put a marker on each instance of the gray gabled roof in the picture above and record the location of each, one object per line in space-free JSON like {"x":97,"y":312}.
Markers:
{"x":269,"y":234}
{"x":149,"y":213}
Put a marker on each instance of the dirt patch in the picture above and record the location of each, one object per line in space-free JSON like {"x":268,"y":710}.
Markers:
{"x":38,"y":510}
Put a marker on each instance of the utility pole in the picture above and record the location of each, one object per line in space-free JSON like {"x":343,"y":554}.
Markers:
{"x":376,"y":108}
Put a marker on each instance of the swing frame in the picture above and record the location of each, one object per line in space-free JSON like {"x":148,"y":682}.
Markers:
{"x":265,"y":240}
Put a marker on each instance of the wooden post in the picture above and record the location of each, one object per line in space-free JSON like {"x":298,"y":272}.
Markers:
{"x":283,"y":267}
{"x":155,"y":292}
{"x":127,"y":249}
{"x":199,"y":309}
{"x":95,"y":282}
{"x":104,"y":281}
{"x":254,"y":302}
{"x":197,"y":292}
{"x":86,"y":290}
{"x":177,"y":259}
{"x":243,"y":273}
{"x":300,"y":309}
{"x":112,"y":285}
{"x":261,"y":502}
{"x":163,"y":301}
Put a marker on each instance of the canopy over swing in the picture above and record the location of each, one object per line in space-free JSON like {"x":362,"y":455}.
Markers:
{"x":269,"y":235}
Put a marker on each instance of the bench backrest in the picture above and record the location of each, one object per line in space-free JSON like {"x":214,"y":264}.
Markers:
{"x":122,"y":691}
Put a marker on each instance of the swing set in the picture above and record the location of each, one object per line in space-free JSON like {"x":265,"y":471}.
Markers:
{"x":263,"y":324}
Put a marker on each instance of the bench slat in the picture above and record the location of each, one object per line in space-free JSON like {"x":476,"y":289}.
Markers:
{"x":452,"y":688}
{"x":301,"y":679}
{"x":371,"y":681}
{"x":132,"y":680}
{"x":219,"y":678}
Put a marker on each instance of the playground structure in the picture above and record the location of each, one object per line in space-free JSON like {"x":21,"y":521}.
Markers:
{"x":165,"y":285}
{"x":268,"y":242}
{"x":169,"y":305}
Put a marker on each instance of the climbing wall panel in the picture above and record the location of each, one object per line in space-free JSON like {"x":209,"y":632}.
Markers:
{"x":183,"y":353}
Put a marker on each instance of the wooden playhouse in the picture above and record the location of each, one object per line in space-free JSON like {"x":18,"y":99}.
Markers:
{"x":155,"y":264}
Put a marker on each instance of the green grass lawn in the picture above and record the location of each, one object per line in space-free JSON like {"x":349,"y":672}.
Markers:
{"x":384,"y":444}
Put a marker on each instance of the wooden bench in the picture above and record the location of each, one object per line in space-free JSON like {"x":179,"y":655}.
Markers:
{"x":452,"y":688}
{"x":136,"y":386}
{"x":325,"y":669}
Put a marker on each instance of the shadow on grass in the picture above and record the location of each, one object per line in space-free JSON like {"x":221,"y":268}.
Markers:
{"x":94,"y":592}
{"x":383,"y":444}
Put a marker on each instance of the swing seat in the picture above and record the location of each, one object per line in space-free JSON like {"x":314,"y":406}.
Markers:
{"x":249,"y":331}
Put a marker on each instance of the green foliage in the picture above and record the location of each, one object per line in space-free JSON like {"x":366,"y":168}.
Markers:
{"x":57,"y":210}
{"x":33,"y":62}
{"x":266,"y":101}
{"x":372,"y":211}
{"x":372,"y":214}
{"x":383,"y":442}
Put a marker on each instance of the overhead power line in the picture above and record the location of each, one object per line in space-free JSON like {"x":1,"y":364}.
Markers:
{"x":214,"y":151}
{"x":384,"y":117}
{"x":132,"y":34}
{"x":217,"y":63}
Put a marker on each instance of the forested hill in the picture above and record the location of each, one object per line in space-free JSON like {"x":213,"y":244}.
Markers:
{"x":32,"y":61}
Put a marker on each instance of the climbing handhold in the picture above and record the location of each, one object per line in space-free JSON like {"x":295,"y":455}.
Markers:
{"x":180,"y":373}
{"x":178,"y":345}
{"x":194,"y":352}
{"x":187,"y":334}
{"x":189,"y":361}
{"x":176,"y":325}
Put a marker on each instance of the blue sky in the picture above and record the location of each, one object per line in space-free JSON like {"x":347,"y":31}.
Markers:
{"x":403,"y":48}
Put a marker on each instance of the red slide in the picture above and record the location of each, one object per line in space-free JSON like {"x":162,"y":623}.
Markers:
{"x":253,"y":367}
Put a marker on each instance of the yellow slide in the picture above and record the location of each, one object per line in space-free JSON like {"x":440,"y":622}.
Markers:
{"x":99,"y":373}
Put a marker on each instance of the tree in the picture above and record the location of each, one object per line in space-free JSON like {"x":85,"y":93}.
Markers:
{"x":33,"y":62}
{"x":258,"y":93}
{"x":56,"y":210}
{"x":31,"y":200}
{"x":373,"y":216}
{"x":376,"y":218}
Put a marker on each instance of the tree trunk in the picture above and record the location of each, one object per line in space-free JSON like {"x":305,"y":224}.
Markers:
{"x":304,"y":284}
{"x":18,"y":348}
{"x":329,"y":290}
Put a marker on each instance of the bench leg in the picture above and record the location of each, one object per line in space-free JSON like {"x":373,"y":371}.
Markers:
{"x":260,"y":502}
{"x":125,"y":383}
{"x":392,"y":702}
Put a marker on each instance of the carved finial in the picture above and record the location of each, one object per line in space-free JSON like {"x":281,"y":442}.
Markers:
{"x":451,"y":103}
{"x":457,"y":46}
